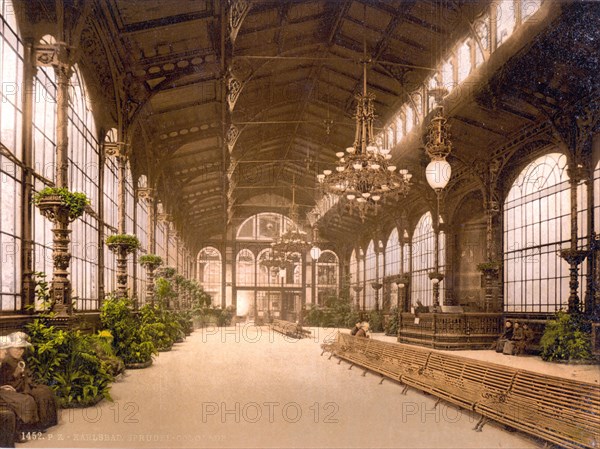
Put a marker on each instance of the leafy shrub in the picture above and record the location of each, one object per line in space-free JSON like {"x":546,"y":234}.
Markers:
{"x":160,"y":325}
{"x":151,"y":260}
{"x":376,"y":321}
{"x":392,"y":324}
{"x":566,"y":337}
{"x":69,"y":362}
{"x":130,"y":242}
{"x":130,"y":339}
{"x":75,"y":201}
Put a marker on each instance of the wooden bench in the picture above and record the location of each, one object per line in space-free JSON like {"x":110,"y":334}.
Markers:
{"x":560,"y":411}
{"x":289,"y":329}
{"x":460,"y":380}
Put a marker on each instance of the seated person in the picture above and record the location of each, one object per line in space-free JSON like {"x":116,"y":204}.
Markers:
{"x":518,"y":338}
{"x":34,"y":404}
{"x":8,"y":423}
{"x":506,"y":336}
{"x":522,"y":343}
{"x":363,"y":331}
{"x":356,"y":328}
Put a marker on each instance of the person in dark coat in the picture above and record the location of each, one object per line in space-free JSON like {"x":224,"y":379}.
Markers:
{"x":16,"y":379}
{"x":356,"y":328}
{"x":363,"y":331}
{"x":506,"y":336}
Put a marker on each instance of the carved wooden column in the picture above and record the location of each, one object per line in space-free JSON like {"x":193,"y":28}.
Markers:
{"x":148,"y":195}
{"x":377,"y":285}
{"x":58,"y":57}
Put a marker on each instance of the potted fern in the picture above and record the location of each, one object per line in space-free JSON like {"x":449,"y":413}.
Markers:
{"x":150,"y":261}
{"x":123,"y":242}
{"x":59,"y":203}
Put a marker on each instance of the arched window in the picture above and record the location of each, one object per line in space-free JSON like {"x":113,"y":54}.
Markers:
{"x":391,"y":138}
{"x":482,"y":28}
{"x":464,"y":60}
{"x":370,"y":275}
{"x":423,"y":263}
{"x":392,"y":254}
{"x":353,"y":269}
{"x":11,"y":116}
{"x":141,"y":230}
{"x":537,"y":217}
{"x":84,"y":159}
{"x":245,"y":268}
{"x":264,"y":227}
{"x":399,"y":128}
{"x":266,"y":275}
{"x":409,"y":121}
{"x":327,"y":275}
{"x":209,"y":272}
{"x":448,"y":75}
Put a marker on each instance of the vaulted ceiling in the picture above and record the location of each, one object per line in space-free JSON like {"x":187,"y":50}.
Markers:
{"x":228,"y":104}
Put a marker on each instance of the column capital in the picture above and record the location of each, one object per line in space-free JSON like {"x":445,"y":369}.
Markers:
{"x":116,"y":149}
{"x":164,"y":218}
{"x":55,"y":55}
{"x":147,"y":194}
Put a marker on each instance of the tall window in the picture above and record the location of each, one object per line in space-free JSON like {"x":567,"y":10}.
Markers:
{"x":327,"y":275}
{"x":505,"y":20}
{"x":370,"y":275}
{"x":244,"y":265}
{"x":84,"y":166}
{"x":464,"y":60}
{"x":423,"y":250}
{"x":537,"y":217}
{"x":392,"y":254}
{"x":11,"y":76}
{"x":209,"y":272}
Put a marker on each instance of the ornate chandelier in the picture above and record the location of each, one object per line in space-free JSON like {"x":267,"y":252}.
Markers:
{"x":364,"y":174}
{"x":289,"y":246}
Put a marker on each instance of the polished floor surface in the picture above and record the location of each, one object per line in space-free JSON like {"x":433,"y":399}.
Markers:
{"x":245,"y":387}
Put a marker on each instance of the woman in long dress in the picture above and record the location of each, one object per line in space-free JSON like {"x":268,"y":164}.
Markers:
{"x":34,"y":404}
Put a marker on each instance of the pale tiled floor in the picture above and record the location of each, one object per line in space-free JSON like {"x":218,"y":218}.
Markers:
{"x":246,"y":387}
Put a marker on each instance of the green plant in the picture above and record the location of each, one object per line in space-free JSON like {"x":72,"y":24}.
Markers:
{"x":392,"y":325}
{"x":130,"y":337}
{"x":70,"y":363}
{"x":566,"y":337}
{"x":167,"y":272}
{"x":128,"y":241}
{"x":75,"y":201}
{"x":376,"y":321}
{"x":163,"y":290}
{"x":151,"y":260}
{"x":160,"y":325}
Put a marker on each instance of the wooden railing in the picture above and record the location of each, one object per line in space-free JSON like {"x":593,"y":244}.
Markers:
{"x":450,"y":330}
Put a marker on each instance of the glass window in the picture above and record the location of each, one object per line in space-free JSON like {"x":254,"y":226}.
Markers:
{"x":482,"y":28}
{"x":209,"y":272}
{"x":423,"y":250}
{"x":370,"y":275}
{"x":392,"y":254}
{"x":448,"y":75}
{"x":84,"y":167}
{"x":537,"y":217}
{"x":391,"y":136}
{"x":409,"y":115}
{"x":399,"y":128}
{"x":11,"y":74}
{"x":529,"y":7}
{"x":505,"y":20}
{"x":464,"y":60}
{"x":245,"y":268}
